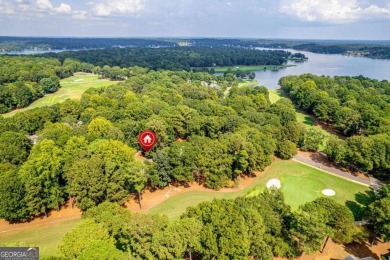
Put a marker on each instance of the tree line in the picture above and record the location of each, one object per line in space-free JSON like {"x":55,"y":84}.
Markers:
{"x":376,"y":50}
{"x":9,"y":44}
{"x":358,"y":108}
{"x":175,"y":58}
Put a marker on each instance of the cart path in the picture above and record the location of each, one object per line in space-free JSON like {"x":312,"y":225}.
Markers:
{"x":319,"y":161}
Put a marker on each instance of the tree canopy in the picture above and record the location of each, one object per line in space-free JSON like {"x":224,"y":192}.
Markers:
{"x":357,"y":107}
{"x":259,"y":227}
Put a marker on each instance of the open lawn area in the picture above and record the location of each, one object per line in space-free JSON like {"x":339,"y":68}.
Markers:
{"x":274,"y":95}
{"x":248,"y":83}
{"x":300,"y":184}
{"x":46,"y":237}
{"x":250,"y":68}
{"x":72,"y":87}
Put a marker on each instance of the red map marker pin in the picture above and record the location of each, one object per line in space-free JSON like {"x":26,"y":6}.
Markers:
{"x":147,"y":139}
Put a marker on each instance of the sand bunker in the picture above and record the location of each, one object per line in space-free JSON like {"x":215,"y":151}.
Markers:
{"x":274,"y":183}
{"x":329,"y":192}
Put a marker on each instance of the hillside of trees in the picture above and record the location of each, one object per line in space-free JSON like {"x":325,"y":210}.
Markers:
{"x":358,"y":108}
{"x":86,"y":147}
{"x":175,"y":58}
{"x":24,"y":79}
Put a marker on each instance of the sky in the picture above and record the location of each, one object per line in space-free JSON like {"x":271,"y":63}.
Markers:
{"x":296,"y":19}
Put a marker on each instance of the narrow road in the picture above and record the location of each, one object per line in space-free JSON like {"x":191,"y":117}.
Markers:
{"x":226,"y":93}
{"x":334,"y":171}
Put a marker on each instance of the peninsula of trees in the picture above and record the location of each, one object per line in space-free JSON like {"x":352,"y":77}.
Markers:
{"x":176,"y":58}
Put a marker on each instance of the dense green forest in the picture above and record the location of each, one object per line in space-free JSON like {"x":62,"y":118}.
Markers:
{"x":176,"y":58}
{"x":258,"y":227}
{"x":23,"y":79}
{"x":86,"y":148}
{"x":358,"y":108}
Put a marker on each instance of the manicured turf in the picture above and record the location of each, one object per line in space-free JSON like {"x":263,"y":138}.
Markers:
{"x":274,"y":95}
{"x":248,"y":83}
{"x":250,"y":68}
{"x":47,"y":237}
{"x":72,"y":87}
{"x":300,"y":184}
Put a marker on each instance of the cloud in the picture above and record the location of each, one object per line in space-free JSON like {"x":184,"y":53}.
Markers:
{"x":6,"y":8}
{"x":44,"y":4}
{"x":332,"y":11}
{"x":80,"y":15}
{"x":113,"y":7}
{"x":63,"y":9}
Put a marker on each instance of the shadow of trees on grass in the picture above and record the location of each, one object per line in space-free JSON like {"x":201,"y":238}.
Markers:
{"x":360,"y":204}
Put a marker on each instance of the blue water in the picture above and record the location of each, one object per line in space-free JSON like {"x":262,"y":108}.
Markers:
{"x":319,"y":64}
{"x":330,"y":65}
{"x":27,"y":52}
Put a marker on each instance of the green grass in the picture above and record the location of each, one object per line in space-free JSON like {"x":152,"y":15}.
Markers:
{"x":248,"y":83}
{"x":46,"y":237}
{"x":274,"y":95}
{"x":72,"y":87}
{"x":300,"y":184}
{"x":251,"y":68}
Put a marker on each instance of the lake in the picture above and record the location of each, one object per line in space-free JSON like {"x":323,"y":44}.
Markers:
{"x":330,"y":65}
{"x":319,"y":64}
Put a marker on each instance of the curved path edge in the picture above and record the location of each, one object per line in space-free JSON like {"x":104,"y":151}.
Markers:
{"x":334,"y":171}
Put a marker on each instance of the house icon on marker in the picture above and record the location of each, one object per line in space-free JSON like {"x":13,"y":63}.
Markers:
{"x":147,"y":139}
